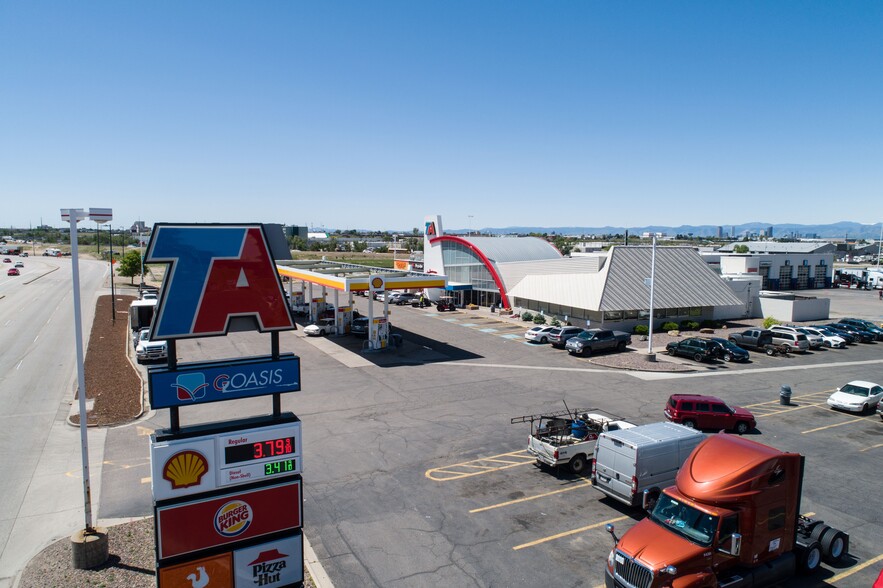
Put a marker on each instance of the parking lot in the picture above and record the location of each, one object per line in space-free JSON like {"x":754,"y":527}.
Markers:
{"x":414,"y":476}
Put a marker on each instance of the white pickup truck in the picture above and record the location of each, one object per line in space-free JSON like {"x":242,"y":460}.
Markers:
{"x":568,"y":437}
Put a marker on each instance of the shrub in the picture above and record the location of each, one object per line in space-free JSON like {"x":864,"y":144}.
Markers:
{"x":641,"y":329}
{"x":539,"y":319}
{"x":526,"y":316}
{"x":770,"y":321}
{"x":670,"y":326}
{"x":555,"y":322}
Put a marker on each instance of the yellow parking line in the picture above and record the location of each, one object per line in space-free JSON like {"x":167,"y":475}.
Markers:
{"x":449,"y":472}
{"x":566,"y":533}
{"x":871,"y":447}
{"x":824,"y":393}
{"x":855,"y":569}
{"x":793,"y":408}
{"x":529,"y":498}
{"x":849,"y":422}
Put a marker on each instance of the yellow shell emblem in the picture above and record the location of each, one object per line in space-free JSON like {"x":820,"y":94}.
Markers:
{"x":185,"y":469}
{"x":377,"y":283}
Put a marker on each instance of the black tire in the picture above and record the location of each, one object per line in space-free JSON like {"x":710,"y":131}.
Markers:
{"x":544,"y":340}
{"x":809,"y":557}
{"x":697,"y":356}
{"x":864,"y":409}
{"x":689,"y":423}
{"x":728,"y":357}
{"x":578,"y":464}
{"x":671,"y":351}
{"x":587,"y":351}
{"x":770,"y":351}
{"x":741,"y":427}
{"x":620,"y":346}
{"x":834,"y":545}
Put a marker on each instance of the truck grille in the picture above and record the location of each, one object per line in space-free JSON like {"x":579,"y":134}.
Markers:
{"x":631,"y":574}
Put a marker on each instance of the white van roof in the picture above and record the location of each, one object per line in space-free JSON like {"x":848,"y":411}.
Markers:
{"x":652,"y":433}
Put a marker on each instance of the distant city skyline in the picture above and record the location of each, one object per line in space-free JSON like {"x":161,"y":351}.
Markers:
{"x":370,"y":115}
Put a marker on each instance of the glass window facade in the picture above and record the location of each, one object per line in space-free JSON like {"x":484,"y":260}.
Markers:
{"x":463,"y":266}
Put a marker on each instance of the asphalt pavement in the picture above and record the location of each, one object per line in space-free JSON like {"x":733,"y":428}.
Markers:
{"x":413,"y":476}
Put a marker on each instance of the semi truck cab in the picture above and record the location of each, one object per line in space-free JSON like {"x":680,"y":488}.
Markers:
{"x":731,"y":519}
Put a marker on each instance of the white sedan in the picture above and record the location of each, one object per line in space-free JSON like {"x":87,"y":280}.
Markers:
{"x":828,"y":340}
{"x":539,"y":334}
{"x":857,"y":396}
{"x":321,"y":327}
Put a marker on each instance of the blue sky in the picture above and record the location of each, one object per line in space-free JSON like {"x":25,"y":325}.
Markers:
{"x":370,"y":115}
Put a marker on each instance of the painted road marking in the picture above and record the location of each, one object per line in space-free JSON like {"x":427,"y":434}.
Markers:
{"x":567,"y":533}
{"x":488,"y":330}
{"x":855,"y":569}
{"x":854,"y":419}
{"x":871,"y":447}
{"x":511,"y":336}
{"x":586,"y":483}
{"x":467,"y":469}
{"x":745,"y":372}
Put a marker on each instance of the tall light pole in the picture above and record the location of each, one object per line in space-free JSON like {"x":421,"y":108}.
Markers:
{"x":74,"y":215}
{"x":113,"y":300}
{"x":652,"y":284}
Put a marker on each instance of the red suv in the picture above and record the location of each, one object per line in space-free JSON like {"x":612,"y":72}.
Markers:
{"x":708,"y":412}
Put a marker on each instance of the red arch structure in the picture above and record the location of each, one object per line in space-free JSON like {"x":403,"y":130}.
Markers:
{"x":504,"y":300}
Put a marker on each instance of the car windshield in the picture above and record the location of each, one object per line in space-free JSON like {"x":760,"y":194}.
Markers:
{"x":857,"y":390}
{"x":729,"y":345}
{"x":685,"y":520}
{"x":586,"y":335}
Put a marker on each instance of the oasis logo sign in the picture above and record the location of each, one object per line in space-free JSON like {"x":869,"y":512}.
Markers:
{"x":217,"y":275}
{"x":213,"y":381}
{"x":233,"y":518}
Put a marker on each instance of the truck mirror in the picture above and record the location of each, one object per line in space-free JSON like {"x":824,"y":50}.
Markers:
{"x":645,"y":500}
{"x":670,"y":570}
{"x":736,"y":545}
{"x":609,"y":528}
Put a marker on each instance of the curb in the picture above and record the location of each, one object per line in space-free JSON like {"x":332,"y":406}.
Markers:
{"x":314,"y":567}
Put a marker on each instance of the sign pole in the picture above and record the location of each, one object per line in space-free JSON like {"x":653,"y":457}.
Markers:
{"x":75,"y":215}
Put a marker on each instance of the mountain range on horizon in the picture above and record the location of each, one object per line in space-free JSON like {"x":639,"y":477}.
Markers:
{"x":838,"y":230}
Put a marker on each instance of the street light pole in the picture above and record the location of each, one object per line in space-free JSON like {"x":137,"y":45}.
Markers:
{"x":113,"y":299}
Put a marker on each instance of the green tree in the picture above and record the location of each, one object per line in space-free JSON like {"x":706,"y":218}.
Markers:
{"x":740,"y":249}
{"x":130,"y":265}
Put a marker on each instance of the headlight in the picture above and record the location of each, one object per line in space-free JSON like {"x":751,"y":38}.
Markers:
{"x":610,"y":559}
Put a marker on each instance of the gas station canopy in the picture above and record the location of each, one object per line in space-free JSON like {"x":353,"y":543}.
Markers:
{"x":350,"y":277}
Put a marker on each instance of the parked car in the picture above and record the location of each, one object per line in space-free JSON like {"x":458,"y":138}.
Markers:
{"x":593,"y":340}
{"x":857,"y":396}
{"x":880,"y":410}
{"x":320,"y":328}
{"x":755,"y":339}
{"x":848,"y":337}
{"x":538,"y":334}
{"x":403,"y":298}
{"x":727,"y":350}
{"x":692,"y":347}
{"x":864,"y":325}
{"x":813,"y":343}
{"x":150,"y":350}
{"x":359,"y":326}
{"x":860,"y":335}
{"x":796,"y":342}
{"x":559,"y":335}
{"x":828,"y":339}
{"x":13,"y":272}
{"x":708,"y":412}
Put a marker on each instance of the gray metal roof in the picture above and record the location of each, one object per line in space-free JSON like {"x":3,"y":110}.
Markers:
{"x":777,"y":247}
{"x":506,"y":249}
{"x":683,"y":279}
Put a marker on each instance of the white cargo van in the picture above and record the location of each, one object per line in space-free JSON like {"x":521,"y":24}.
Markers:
{"x":647,"y":457}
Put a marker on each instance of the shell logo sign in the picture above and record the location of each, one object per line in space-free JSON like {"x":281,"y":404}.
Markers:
{"x":185,"y":469}
{"x":233,"y":518}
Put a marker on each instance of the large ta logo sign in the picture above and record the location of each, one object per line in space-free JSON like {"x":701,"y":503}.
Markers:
{"x":216,"y":273}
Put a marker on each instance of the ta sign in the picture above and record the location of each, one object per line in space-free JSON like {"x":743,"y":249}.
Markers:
{"x":216,"y":273}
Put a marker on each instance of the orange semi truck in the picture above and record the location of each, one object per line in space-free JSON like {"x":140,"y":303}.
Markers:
{"x":732,"y":520}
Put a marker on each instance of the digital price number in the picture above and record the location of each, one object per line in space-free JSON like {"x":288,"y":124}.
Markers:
{"x":279,"y":467}
{"x":260,"y":450}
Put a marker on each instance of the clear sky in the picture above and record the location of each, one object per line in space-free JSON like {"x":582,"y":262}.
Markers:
{"x":372,"y":114}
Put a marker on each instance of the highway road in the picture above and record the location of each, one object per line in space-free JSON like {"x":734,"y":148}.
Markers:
{"x":37,"y":381}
